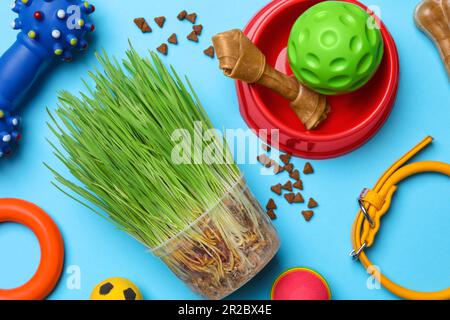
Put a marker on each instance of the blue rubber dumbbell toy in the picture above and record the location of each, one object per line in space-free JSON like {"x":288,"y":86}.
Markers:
{"x":49,"y":28}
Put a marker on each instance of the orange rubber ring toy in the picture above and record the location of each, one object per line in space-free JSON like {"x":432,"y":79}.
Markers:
{"x":52,"y":249}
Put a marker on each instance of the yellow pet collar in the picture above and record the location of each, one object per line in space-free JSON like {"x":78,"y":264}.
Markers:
{"x":375,"y":204}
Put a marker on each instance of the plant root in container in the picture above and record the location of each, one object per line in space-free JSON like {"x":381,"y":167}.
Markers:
{"x":117,"y":142}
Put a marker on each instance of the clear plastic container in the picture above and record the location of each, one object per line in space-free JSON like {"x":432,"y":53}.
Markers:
{"x":225,"y":247}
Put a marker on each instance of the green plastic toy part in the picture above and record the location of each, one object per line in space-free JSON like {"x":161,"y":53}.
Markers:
{"x":335,"y":47}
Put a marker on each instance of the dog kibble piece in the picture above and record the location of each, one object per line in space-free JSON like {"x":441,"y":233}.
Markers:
{"x":290,"y":197}
{"x":173,"y":39}
{"x":277,"y":189}
{"x":192,"y":36}
{"x":299,"y":198}
{"x":271,"y":205}
{"x":277,"y":169}
{"x":264,"y":160}
{"x":182,"y":15}
{"x":163,"y":49}
{"x":288,"y":186}
{"x":298,"y":185}
{"x":160,"y":21}
{"x":272,"y":215}
{"x":209,"y":52}
{"x":295,"y":175}
{"x":289,"y":167}
{"x":198,"y":28}
{"x":312,"y":204}
{"x":142,"y":25}
{"x":192,"y":17}
{"x":308,"y":215}
{"x":308,"y":168}
{"x":286,"y":158}
{"x":139,"y":22}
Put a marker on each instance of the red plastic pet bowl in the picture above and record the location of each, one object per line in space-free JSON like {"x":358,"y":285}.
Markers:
{"x":354,"y":117}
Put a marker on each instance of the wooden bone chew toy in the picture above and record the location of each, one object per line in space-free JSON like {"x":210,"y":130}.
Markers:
{"x":48,"y":28}
{"x":433,"y":17}
{"x":240,"y":59}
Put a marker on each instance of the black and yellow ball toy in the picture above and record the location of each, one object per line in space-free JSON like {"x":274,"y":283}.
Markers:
{"x":116,"y":289}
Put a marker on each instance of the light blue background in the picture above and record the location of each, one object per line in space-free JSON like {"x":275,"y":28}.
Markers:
{"x":412,"y":247}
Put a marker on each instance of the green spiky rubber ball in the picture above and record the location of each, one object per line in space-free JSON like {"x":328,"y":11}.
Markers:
{"x":335,"y":47}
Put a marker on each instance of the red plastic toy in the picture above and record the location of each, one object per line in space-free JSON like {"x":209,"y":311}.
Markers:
{"x":300,"y":284}
{"x":354,"y":118}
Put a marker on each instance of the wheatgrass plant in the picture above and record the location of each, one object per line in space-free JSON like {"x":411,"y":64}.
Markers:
{"x":116,"y":142}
